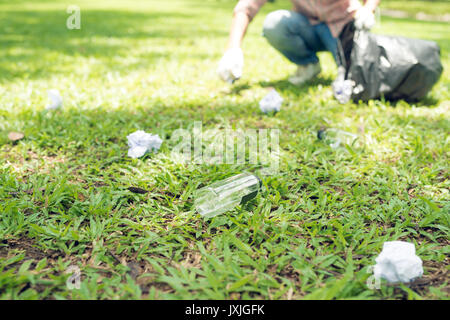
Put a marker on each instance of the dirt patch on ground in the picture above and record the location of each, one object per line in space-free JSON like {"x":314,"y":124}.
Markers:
{"x":436,"y":275}
{"x":28,"y":247}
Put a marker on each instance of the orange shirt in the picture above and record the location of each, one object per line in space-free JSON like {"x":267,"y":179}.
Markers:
{"x":335,"y":13}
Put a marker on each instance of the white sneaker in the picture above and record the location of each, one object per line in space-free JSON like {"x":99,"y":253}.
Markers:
{"x":305,"y":73}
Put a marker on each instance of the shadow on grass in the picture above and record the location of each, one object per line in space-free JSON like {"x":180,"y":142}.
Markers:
{"x":33,"y":42}
{"x":281,"y":85}
{"x":428,"y":101}
{"x":286,"y":86}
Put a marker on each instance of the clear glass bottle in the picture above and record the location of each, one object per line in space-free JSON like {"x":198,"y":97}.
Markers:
{"x":336,"y":138}
{"x":222,"y":196}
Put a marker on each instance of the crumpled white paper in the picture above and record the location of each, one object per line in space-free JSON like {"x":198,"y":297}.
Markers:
{"x":55,"y":98}
{"x":231,"y":65}
{"x":140,"y":142}
{"x":364,"y":19}
{"x":398,"y":262}
{"x":271,"y":102}
{"x":342,"y":89}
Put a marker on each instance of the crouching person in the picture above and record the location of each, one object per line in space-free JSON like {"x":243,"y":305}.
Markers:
{"x":298,"y":34}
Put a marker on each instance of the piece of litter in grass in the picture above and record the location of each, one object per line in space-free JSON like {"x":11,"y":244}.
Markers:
{"x":342,"y":89}
{"x":398,"y":262}
{"x":224,"y":195}
{"x":336,"y":138}
{"x":271,"y":102}
{"x":55,"y":98}
{"x":15,"y":136}
{"x":141,"y":142}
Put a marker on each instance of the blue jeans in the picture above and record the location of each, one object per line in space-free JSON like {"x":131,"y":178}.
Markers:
{"x":291,"y":33}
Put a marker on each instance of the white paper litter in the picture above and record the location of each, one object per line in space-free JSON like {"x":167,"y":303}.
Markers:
{"x":55,"y":98}
{"x":140,"y":142}
{"x":398,"y":262}
{"x":231,"y":65}
{"x":271,"y":102}
{"x":342,"y":89}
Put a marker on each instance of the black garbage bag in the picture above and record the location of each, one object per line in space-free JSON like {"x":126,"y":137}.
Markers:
{"x":374,"y":66}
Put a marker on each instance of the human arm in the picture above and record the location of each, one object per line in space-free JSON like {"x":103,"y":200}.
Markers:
{"x":232,"y":62}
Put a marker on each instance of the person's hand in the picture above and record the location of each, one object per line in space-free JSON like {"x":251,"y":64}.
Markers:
{"x":231,"y":65}
{"x":364,"y":19}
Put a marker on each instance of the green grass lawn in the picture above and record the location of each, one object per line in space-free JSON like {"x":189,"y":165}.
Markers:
{"x":314,"y":232}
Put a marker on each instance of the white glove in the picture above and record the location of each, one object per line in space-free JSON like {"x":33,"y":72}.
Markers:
{"x":231,"y":65}
{"x":364,"y":19}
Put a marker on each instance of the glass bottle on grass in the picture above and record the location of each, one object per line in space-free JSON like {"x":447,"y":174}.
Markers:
{"x":222,"y":196}
{"x":336,"y":138}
